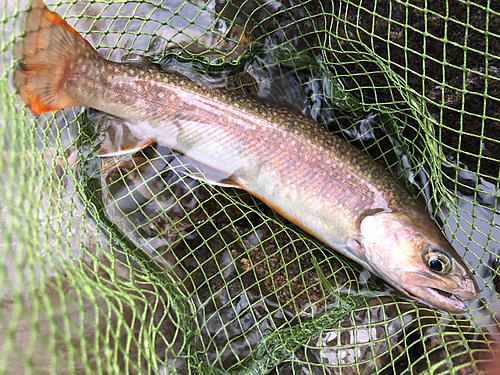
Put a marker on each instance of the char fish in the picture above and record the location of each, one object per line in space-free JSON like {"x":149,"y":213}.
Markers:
{"x":310,"y":176}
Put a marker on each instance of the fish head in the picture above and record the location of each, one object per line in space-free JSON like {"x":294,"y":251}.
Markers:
{"x":412,"y":254}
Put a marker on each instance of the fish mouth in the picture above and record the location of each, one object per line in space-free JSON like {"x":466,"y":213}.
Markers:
{"x":439,"y":299}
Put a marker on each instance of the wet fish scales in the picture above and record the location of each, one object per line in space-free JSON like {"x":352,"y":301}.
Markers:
{"x":313,"y":178}
{"x":306,"y":159}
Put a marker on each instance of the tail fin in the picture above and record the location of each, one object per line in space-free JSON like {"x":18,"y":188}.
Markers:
{"x":47,"y":55}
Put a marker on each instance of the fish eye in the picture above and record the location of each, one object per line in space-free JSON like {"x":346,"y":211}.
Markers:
{"x":438,"y":261}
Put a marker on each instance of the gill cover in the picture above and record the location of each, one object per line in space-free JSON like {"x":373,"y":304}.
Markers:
{"x":413,"y":255}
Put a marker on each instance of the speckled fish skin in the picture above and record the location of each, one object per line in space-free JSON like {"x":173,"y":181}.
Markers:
{"x":313,"y":178}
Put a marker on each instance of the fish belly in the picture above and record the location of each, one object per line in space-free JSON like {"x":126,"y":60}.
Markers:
{"x":278,"y":156}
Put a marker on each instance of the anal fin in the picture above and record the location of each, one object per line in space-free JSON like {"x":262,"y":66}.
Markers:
{"x":115,"y":136}
{"x":126,"y":148}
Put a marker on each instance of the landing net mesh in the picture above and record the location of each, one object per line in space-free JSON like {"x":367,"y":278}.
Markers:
{"x":125,"y":265}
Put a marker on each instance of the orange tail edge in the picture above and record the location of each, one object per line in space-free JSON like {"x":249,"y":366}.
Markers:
{"x":47,"y":55}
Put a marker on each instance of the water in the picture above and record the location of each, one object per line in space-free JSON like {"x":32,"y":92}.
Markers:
{"x":154,"y":27}
{"x":248,"y":275}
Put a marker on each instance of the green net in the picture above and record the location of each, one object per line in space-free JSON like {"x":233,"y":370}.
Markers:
{"x":126,"y":265}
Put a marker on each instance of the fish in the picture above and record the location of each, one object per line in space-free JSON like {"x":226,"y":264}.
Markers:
{"x":310,"y":176}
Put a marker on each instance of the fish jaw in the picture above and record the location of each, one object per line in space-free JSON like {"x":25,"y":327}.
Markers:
{"x":394,"y":248}
{"x":423,"y":293}
{"x":414,"y":286}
